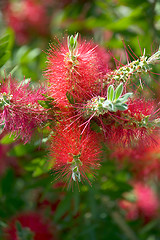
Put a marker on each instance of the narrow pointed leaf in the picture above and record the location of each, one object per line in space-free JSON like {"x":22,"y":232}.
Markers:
{"x":118,"y":91}
{"x":125,"y":97}
{"x":122,"y":107}
{"x":72,"y":42}
{"x":110,"y":93}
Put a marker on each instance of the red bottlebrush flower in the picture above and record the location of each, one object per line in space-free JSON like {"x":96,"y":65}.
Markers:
{"x":74,"y":154}
{"x":32,"y":221}
{"x":76,"y":72}
{"x":145,"y":205}
{"x":136,"y":125}
{"x":140,"y":108}
{"x":26,"y":18}
{"x":20,"y":111}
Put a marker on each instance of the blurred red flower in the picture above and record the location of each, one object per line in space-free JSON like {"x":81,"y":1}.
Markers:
{"x":26,"y":18}
{"x":145,"y":204}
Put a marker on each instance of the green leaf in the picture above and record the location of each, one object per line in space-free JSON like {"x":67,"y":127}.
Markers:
{"x":25,"y":55}
{"x":122,"y":107}
{"x":21,"y":150}
{"x":63,"y":207}
{"x":125,"y":97}
{"x":46,"y":104}
{"x":118,"y":91}
{"x":38,"y":166}
{"x":126,"y":21}
{"x":71,"y":42}
{"x":111,"y":107}
{"x":7,"y":139}
{"x":6,"y":42}
{"x":110,"y":93}
{"x":75,"y":38}
{"x":4,"y":58}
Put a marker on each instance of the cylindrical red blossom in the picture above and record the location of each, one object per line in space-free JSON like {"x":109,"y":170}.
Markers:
{"x":136,"y":125}
{"x":76,"y":73}
{"x":140,"y":108}
{"x":74,"y":155}
{"x":34,"y":222}
{"x":20,"y":111}
{"x":145,"y":205}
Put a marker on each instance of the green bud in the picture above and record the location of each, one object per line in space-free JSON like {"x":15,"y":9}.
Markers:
{"x":72,"y":42}
{"x":76,"y":174}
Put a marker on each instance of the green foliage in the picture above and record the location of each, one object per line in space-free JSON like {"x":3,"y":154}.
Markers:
{"x":6,"y":44}
{"x":114,"y":100}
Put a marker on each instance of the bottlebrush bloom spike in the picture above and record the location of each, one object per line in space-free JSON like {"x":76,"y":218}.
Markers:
{"x":75,"y":155}
{"x":74,"y":68}
{"x":124,"y":121}
{"x":20,"y":111}
{"x":29,"y":224}
{"x":136,"y":125}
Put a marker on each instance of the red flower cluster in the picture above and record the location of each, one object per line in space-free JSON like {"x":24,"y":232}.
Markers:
{"x":87,"y":96}
{"x":80,"y":82}
{"x":33,"y":222}
{"x":133,"y":126}
{"x":21,"y":112}
{"x":75,"y":72}
{"x":26,"y":18}
{"x":75,"y":155}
